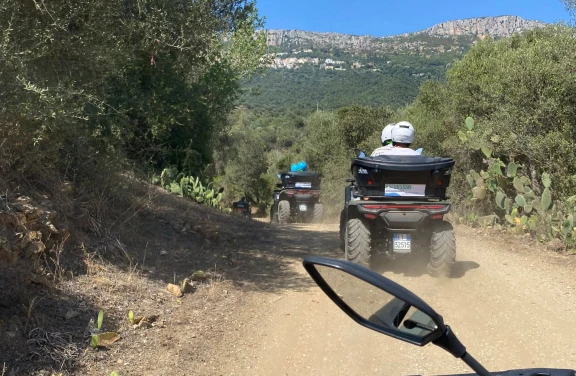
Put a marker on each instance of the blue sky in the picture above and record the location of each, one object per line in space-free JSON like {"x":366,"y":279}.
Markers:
{"x":386,"y":17}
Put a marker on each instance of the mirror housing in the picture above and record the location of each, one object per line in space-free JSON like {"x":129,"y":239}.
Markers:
{"x":279,"y":185}
{"x":442,"y":337}
{"x":350,"y":180}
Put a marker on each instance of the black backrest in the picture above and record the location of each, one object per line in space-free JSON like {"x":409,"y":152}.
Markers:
{"x":372,"y":174}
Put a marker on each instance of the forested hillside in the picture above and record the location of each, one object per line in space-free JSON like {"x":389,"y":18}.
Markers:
{"x":309,"y":87}
{"x":333,"y":70}
{"x":334,"y":78}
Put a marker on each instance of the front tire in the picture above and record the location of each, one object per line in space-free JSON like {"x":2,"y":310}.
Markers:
{"x":442,"y":250}
{"x":283,"y":212}
{"x":358,"y":243}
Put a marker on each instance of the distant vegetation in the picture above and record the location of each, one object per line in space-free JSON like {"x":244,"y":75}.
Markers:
{"x":308,"y":87}
{"x":520,"y":92}
{"x":382,"y":81}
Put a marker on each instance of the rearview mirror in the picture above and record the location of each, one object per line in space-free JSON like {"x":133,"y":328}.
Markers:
{"x":376,"y":302}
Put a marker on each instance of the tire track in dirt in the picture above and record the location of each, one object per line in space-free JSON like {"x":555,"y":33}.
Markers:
{"x":510,"y":303}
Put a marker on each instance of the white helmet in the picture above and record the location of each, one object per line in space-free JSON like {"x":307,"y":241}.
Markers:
{"x":387,"y":133}
{"x":403,"y":132}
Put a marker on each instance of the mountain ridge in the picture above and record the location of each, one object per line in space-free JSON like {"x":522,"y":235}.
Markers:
{"x":478,"y":27}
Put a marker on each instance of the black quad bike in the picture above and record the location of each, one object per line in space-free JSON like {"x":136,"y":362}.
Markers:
{"x":243,"y":208}
{"x":395,"y":206}
{"x":297,"y":199}
{"x":386,"y":307}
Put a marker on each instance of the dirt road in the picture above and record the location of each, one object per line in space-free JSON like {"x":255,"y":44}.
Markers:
{"x":510,"y":301}
{"x":511,"y":304}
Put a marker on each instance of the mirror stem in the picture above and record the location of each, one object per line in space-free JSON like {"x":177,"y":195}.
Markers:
{"x":476,"y":367}
{"x":450,"y":343}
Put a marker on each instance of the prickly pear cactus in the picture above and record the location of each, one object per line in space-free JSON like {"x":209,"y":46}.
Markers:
{"x":511,"y":191}
{"x":191,"y":188}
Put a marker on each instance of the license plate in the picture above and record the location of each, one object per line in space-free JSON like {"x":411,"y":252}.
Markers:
{"x":402,"y":243}
{"x":303,"y":207}
{"x":404,"y":190}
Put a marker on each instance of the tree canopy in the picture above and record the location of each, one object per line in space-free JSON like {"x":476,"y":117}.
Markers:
{"x":153,"y":79}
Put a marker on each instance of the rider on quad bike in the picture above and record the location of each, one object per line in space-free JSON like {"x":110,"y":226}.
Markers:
{"x":386,"y":141}
{"x":402,"y":131}
{"x":402,"y":136}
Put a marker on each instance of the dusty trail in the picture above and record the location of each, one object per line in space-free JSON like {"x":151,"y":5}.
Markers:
{"x":511,"y":305}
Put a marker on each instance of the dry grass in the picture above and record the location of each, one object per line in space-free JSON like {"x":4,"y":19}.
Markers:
{"x":217,"y":287}
{"x":53,"y":261}
{"x":29,"y":309}
{"x":60,"y":347}
{"x":93,"y":267}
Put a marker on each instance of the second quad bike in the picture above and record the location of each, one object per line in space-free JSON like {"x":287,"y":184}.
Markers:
{"x":395,"y":206}
{"x":297,"y":199}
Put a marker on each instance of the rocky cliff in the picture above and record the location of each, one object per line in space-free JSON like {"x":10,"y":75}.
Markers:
{"x":283,"y":38}
{"x":503,"y":26}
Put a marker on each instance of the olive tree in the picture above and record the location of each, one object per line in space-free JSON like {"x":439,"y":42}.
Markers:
{"x":153,"y":79}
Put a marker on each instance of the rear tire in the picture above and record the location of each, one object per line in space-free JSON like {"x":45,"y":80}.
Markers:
{"x":442,"y":250}
{"x":358,"y":243}
{"x":318,"y":213}
{"x":283,"y":212}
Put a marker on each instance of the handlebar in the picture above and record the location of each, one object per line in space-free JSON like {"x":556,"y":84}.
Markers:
{"x":525,"y":372}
